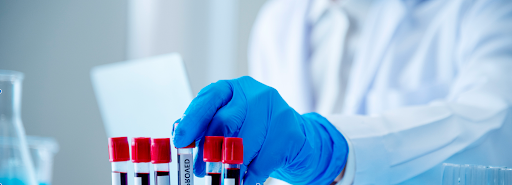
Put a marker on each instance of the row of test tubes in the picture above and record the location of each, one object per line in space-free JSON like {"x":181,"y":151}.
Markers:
{"x":221,"y":151}
{"x":218,"y":152}
{"x":455,"y":174}
{"x":144,"y":151}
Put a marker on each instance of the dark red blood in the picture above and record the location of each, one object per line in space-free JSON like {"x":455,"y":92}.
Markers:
{"x":124,"y":178}
{"x":216,"y":178}
{"x":158,"y":173}
{"x":144,"y":178}
{"x":233,"y":173}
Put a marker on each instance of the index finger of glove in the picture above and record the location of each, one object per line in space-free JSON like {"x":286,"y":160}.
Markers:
{"x":201,"y":111}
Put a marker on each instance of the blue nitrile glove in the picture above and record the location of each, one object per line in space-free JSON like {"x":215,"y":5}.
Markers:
{"x":278,"y":142}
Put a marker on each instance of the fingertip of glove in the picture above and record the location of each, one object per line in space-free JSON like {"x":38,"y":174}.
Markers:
{"x":178,"y":140}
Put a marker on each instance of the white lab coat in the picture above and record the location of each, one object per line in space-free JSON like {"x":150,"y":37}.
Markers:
{"x":431,"y":83}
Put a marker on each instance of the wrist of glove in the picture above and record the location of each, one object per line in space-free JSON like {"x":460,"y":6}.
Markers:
{"x":321,"y":159}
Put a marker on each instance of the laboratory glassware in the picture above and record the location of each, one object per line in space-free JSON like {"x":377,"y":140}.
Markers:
{"x":119,"y":155}
{"x":492,"y":175}
{"x":212,"y":155}
{"x":16,"y":165}
{"x":185,"y":163}
{"x":232,"y":158}
{"x":141,"y":157}
{"x":161,"y":157}
{"x":506,"y":176}
{"x":479,"y":174}
{"x":475,"y":175}
{"x":42,"y":150}
{"x":451,"y":174}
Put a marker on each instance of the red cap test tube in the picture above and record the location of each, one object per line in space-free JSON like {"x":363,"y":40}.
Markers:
{"x":119,"y":155}
{"x":232,"y":157}
{"x":185,"y":163}
{"x":161,"y":157}
{"x":212,"y":155}
{"x":141,"y":156}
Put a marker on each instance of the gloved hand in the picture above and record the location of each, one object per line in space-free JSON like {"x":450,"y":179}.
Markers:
{"x":278,"y":142}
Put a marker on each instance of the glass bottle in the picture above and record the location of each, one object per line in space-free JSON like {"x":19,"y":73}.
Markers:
{"x":16,"y":165}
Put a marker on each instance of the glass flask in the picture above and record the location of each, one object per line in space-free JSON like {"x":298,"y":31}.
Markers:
{"x":15,"y":162}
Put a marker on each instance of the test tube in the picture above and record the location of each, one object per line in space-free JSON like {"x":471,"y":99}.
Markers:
{"x":185,"y":163}
{"x":492,"y":175}
{"x":141,"y":156}
{"x":232,"y":157}
{"x":161,"y":157}
{"x":212,"y":155}
{"x":119,"y":155}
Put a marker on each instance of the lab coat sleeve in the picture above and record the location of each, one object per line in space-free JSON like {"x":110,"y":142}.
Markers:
{"x":400,"y":144}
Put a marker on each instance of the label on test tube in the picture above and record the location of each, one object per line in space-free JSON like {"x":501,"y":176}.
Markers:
{"x":162,"y":180}
{"x":138,"y":181}
{"x":119,"y":178}
{"x":207,"y":180}
{"x":185,"y":169}
{"x":116,"y":178}
{"x":229,"y":181}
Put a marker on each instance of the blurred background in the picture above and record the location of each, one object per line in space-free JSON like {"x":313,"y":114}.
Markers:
{"x":56,"y":43}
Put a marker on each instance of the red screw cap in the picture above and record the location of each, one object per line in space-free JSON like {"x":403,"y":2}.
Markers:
{"x":212,"y":151}
{"x":141,"y":149}
{"x":161,"y":150}
{"x":118,"y":149}
{"x":191,"y":145}
{"x":233,"y":150}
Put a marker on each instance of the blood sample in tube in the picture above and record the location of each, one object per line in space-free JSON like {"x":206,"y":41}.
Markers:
{"x":185,"y":163}
{"x":233,"y":173}
{"x":212,"y":155}
{"x":161,"y":157}
{"x":119,"y":155}
{"x":232,"y":158}
{"x":141,"y":156}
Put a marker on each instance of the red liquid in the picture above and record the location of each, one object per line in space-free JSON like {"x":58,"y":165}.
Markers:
{"x":161,"y":174}
{"x":216,"y":178}
{"x":233,"y":173}
{"x":144,"y":178}
{"x":124,"y":178}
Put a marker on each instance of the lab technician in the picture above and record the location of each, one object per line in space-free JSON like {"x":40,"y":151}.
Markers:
{"x":420,"y":83}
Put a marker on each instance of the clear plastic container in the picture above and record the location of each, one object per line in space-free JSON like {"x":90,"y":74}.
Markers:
{"x":16,"y":165}
{"x":454,"y":174}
